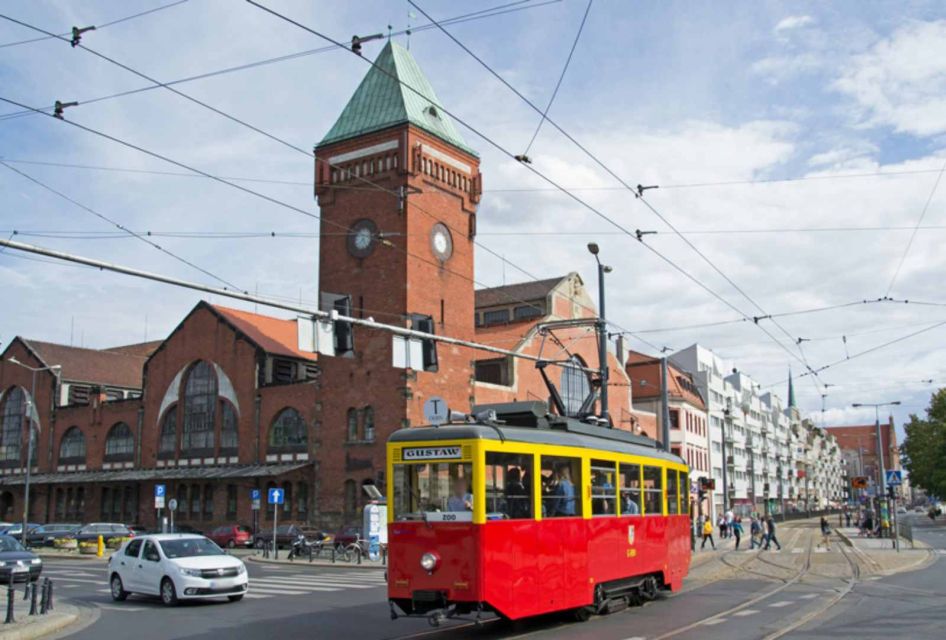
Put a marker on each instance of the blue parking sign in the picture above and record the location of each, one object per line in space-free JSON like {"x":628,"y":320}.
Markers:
{"x":159,"y":491}
{"x":276,"y":496}
{"x":254,"y":494}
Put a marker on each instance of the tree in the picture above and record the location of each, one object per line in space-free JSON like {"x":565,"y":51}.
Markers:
{"x":924,"y":450}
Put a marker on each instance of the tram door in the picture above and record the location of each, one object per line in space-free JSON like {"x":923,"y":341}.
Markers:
{"x":562,"y":541}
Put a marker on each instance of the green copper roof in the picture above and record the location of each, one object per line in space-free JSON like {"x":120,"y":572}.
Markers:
{"x":382,"y":101}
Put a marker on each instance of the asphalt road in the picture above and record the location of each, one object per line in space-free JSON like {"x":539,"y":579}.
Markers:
{"x":769,"y":595}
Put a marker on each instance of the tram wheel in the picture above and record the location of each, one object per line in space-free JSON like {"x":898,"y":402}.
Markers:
{"x":648,"y":589}
{"x":582,"y":614}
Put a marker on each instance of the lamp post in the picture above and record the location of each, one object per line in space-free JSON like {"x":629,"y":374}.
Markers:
{"x":602,"y":327}
{"x":29,"y":438}
{"x":880,"y":456}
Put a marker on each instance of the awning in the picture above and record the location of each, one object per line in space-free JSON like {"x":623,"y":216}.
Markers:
{"x":145,"y":475}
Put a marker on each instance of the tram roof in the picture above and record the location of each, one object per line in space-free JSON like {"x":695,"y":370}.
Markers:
{"x":542,"y":429}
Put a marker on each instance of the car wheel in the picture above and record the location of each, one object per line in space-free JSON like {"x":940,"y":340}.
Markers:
{"x":118,"y":589}
{"x":235,"y":598}
{"x":168,"y":592}
{"x":231,"y":544}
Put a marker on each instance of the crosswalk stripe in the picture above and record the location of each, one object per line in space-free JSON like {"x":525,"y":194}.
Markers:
{"x":296,"y":585}
{"x":320,"y":580}
{"x":783,"y":603}
{"x":82,"y":580}
{"x":323,"y":583}
{"x":809,"y":596}
{"x":746,"y":612}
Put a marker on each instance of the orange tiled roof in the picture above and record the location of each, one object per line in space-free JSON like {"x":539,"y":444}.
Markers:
{"x":273,"y":335}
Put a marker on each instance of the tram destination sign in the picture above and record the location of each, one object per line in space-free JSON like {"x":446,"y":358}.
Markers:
{"x":432,"y":453}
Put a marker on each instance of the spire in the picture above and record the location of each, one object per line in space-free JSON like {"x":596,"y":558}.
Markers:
{"x":791,"y":391}
{"x":382,"y":101}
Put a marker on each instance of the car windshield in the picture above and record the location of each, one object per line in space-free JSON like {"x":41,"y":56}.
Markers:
{"x":10,"y":544}
{"x":190,"y":547}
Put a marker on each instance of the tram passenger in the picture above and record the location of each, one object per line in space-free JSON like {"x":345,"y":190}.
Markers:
{"x":563,"y":501}
{"x":517,"y":504}
{"x":601,"y":489}
{"x":462,"y":499}
{"x":629,"y":506}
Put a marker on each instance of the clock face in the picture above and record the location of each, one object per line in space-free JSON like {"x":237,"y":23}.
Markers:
{"x":362,"y":238}
{"x":441,"y":242}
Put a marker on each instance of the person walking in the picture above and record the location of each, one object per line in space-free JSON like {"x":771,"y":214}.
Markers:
{"x":721,"y":525}
{"x":847,"y":519}
{"x":770,"y":534}
{"x":755,"y":533}
{"x":737,"y":530}
{"x":708,"y":534}
{"x":825,"y":534}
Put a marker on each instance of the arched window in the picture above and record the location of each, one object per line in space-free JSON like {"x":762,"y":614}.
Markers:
{"x":200,"y":401}
{"x":14,"y":412}
{"x":120,"y":443}
{"x":575,"y":385}
{"x":369,"y":423}
{"x":72,"y":446}
{"x":288,"y":432}
{"x":351,"y":498}
{"x":229,"y":430}
{"x":352,"y":424}
{"x":167,"y":443}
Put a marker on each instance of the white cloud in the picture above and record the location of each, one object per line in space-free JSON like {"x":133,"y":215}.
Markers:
{"x":901,"y":81}
{"x":793,"y":22}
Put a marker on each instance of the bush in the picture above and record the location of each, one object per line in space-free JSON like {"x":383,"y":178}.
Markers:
{"x":68,"y":544}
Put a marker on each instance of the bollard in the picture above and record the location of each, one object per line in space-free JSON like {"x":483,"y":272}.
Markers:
{"x":384,"y":555}
{"x":333,"y":554}
{"x":358,"y":551}
{"x":11,"y":597}
{"x":43,"y":601}
{"x":49,"y":598}
{"x":310,"y":554}
{"x":33,"y":611}
{"x":26,"y":589}
{"x":100,"y":551}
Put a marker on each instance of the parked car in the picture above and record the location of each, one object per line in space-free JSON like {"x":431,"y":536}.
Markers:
{"x":44,"y":535}
{"x":232,"y":535}
{"x":16,"y":530}
{"x":286,"y":534}
{"x":178,"y":528}
{"x":18,"y":560}
{"x":107,"y":530}
{"x":347,"y":535}
{"x":176,"y":567}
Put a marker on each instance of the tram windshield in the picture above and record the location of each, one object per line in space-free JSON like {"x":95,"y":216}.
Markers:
{"x":434,"y":491}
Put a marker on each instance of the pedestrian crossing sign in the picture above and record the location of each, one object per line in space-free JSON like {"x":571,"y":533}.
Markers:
{"x":894,"y":477}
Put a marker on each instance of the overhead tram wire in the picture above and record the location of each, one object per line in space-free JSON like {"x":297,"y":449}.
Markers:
{"x":542,"y":176}
{"x":99,"y":27}
{"x":270,"y":199}
{"x":906,"y":251}
{"x":299,"y":309}
{"x":561,"y":77}
{"x":123,"y":228}
{"x":498,"y":10}
{"x":638,"y":192}
{"x":253,"y":128}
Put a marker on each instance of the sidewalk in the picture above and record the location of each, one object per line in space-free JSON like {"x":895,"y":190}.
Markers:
{"x":851,"y":535}
{"x":366,"y":564}
{"x":879,"y":555}
{"x":27,"y":627}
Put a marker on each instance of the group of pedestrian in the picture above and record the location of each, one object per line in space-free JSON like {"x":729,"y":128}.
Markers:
{"x":761,"y":531}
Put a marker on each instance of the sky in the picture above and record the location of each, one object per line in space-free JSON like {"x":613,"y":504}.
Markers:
{"x":797,"y":148}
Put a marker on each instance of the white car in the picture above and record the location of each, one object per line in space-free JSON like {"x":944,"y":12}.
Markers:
{"x":176,"y":567}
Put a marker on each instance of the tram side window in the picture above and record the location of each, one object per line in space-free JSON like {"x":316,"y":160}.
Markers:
{"x":630,"y":480}
{"x":653,"y":492}
{"x":561,"y":486}
{"x":673,"y":491}
{"x":603,"y":491}
{"x":508,"y":486}
{"x":684,"y":493}
{"x":420,"y":489}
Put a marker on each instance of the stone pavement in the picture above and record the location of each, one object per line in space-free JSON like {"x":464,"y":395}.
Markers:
{"x":27,"y":627}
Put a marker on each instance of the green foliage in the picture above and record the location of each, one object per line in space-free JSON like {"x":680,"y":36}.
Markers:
{"x":924,"y":449}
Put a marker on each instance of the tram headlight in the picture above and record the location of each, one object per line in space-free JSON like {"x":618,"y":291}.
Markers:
{"x":429,"y":562}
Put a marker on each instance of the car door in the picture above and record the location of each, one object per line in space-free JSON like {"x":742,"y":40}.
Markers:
{"x":149,"y":569}
{"x":127,"y":564}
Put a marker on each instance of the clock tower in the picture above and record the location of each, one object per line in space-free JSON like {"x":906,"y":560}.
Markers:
{"x":398,"y":188}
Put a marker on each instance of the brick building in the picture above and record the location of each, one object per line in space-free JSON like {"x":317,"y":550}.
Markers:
{"x":858,"y":444}
{"x":228,"y":403}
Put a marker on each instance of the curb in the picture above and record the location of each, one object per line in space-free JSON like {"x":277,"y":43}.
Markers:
{"x":322,"y":565}
{"x":40,"y":628}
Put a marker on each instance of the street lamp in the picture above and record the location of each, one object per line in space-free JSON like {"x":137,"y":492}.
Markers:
{"x":602,"y":328}
{"x":880,"y":452}
{"x":56,"y":369}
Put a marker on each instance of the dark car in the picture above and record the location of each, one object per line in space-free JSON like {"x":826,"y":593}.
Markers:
{"x":347,"y":535}
{"x":286,"y":534}
{"x":107,"y":530}
{"x":16,"y":559}
{"x":44,"y":535}
{"x":16,"y":530}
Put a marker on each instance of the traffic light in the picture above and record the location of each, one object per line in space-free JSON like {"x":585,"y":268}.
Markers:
{"x":891,"y":492}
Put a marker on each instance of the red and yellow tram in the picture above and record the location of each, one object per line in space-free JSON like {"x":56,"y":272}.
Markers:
{"x":522,"y":513}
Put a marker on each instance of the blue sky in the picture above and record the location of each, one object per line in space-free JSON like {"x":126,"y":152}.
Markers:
{"x":670,"y":93}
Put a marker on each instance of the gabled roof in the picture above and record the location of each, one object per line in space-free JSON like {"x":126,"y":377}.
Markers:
{"x":272,"y":335}
{"x":91,"y":366}
{"x":516,"y":293}
{"x":137,"y":349}
{"x":382,"y":101}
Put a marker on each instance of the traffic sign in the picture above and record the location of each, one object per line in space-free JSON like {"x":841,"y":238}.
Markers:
{"x":859,"y":482}
{"x":436,"y":411}
{"x":159,"y":492}
{"x":255,"y":498}
{"x":894,"y":477}
{"x":172,"y":504}
{"x":275,"y":496}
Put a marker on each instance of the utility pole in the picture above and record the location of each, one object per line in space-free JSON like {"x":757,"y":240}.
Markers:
{"x":881,"y":471}
{"x":726,"y":419}
{"x":664,"y":404}
{"x":602,"y":327}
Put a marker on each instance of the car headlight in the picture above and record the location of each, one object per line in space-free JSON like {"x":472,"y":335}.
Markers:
{"x":241,"y":570}
{"x":190,"y":572}
{"x":429,"y":561}
{"x":3,"y":563}
{"x":36,"y":561}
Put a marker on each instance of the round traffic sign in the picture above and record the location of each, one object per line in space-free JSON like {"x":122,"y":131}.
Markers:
{"x":172,"y":504}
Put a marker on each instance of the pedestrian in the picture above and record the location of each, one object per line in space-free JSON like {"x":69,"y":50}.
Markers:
{"x":721,"y":525}
{"x":708,"y":534}
{"x":847,"y":519}
{"x":737,"y":530}
{"x":755,"y":533}
{"x":770,"y":534}
{"x":825,"y":533}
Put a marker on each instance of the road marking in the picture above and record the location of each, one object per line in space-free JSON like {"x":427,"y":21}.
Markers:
{"x":324,"y":583}
{"x":783,"y":603}
{"x":280,"y":592}
{"x":82,"y":580}
{"x":711,"y":622}
{"x":113,"y":607}
{"x":797,"y":550}
{"x":746,"y":612}
{"x":820,"y":550}
{"x":809,"y":596}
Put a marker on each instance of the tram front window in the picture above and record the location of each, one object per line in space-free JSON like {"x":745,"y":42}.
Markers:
{"x":508,"y":486}
{"x":428,"y":491}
